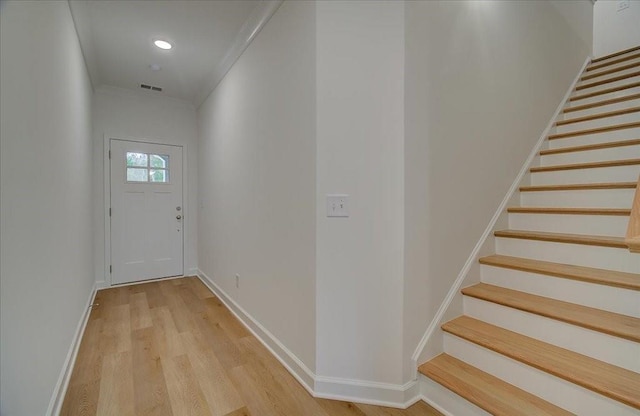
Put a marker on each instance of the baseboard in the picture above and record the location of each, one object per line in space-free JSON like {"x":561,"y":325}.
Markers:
{"x":57,"y":398}
{"x":287,"y":358}
{"x":488,"y":232}
{"x":357,"y":391}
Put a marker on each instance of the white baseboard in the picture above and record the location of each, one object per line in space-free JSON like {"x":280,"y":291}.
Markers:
{"x":57,"y":398}
{"x":475,"y":253}
{"x":358,"y":391}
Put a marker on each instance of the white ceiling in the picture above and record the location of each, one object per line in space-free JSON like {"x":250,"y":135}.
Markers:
{"x":207,"y":36}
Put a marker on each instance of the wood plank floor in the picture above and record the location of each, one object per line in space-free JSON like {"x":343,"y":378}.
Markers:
{"x":172,"y":348}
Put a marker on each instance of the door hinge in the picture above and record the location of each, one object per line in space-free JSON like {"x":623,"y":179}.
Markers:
{"x":109,"y":211}
{"x":110,"y":269}
{"x":109,"y":154}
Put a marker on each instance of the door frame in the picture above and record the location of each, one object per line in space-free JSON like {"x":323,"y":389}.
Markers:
{"x":106,"y":173}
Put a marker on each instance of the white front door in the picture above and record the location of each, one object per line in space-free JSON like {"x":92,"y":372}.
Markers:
{"x":146,"y":211}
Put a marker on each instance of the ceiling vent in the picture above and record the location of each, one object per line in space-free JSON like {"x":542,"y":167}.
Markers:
{"x":150,"y":87}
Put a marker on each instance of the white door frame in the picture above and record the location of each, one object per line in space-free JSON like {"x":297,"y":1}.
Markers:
{"x":106,"y":165}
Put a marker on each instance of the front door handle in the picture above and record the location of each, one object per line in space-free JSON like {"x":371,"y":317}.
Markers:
{"x":178,"y":217}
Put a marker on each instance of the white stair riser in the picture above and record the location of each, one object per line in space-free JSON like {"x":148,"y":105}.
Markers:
{"x":592,"y":175}
{"x":593,"y":295}
{"x":562,"y":393}
{"x":603,"y":347}
{"x":592,"y":198}
{"x":608,"y":85}
{"x":579,"y":254}
{"x":611,"y":66}
{"x":600,"y":109}
{"x":603,"y":97}
{"x":595,"y":138}
{"x":600,"y":122}
{"x":631,"y":70}
{"x":570,"y":223}
{"x":585,"y":156}
{"x":447,"y":401}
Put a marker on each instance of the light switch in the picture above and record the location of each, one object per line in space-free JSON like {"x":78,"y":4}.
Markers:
{"x":623,"y":4}
{"x":338,"y":205}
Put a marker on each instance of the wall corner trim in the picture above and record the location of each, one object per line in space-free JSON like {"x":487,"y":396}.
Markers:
{"x":60,"y":390}
{"x":473,"y":257}
{"x":359,"y":391}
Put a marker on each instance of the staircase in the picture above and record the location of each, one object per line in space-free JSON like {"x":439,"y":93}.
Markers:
{"x":554,"y":326}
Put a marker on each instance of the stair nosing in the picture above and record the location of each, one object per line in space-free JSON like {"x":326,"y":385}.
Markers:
{"x":610,"y":71}
{"x":579,"y":187}
{"x":615,"y":54}
{"x":610,"y":101}
{"x":583,"y":316}
{"x":570,"y":211}
{"x":607,"y":81}
{"x":624,"y":280}
{"x":605,"y":91}
{"x":565,"y":238}
{"x":595,"y":130}
{"x":587,"y":147}
{"x":594,"y":66}
{"x":588,"y":165}
{"x":553,"y":361}
{"x":489,"y":386}
{"x":598,"y":116}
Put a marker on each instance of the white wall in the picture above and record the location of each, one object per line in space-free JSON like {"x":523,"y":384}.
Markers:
{"x":257,"y":180}
{"x":120,"y":113}
{"x":615,"y":30}
{"x":46,"y":264}
{"x":360,"y":100}
{"x":482,"y":81}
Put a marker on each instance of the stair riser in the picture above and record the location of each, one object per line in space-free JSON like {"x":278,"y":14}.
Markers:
{"x":611,"y":66}
{"x":444,"y":398}
{"x":593,"y":198}
{"x":591,"y":175}
{"x":552,"y":389}
{"x":570,"y":223}
{"x":601,"y":122}
{"x":603,"y":97}
{"x":608,"y":76}
{"x":608,"y":85}
{"x":595,"y":138}
{"x":603,"y":347}
{"x":589,"y":256}
{"x":600,"y":109}
{"x":608,"y":298}
{"x":599,"y":155}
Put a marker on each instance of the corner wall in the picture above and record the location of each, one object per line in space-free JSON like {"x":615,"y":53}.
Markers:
{"x":46,"y":201}
{"x":615,"y":30}
{"x":482,"y":81}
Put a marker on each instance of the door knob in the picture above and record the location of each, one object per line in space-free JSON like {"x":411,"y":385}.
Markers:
{"x":178,"y":217}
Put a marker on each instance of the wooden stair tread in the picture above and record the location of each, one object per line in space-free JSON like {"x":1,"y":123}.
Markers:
{"x":574,"y":211}
{"x":614,"y":382}
{"x":605,"y":91}
{"x":594,"y":66}
{"x":601,"y":103}
{"x":599,"y":116}
{"x":588,"y":165}
{"x":607,"y":81}
{"x":567,"y":271}
{"x":594,"y":130}
{"x":579,"y":186}
{"x":610,"y":71}
{"x":611,"y":323}
{"x":615,"y":54}
{"x":587,"y":147}
{"x":486,"y":391}
{"x":589,"y":240}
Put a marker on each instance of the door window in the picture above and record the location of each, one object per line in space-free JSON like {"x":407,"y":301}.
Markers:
{"x":147,"y":167}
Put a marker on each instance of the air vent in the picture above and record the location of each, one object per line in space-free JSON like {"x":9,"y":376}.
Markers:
{"x":150,"y":87}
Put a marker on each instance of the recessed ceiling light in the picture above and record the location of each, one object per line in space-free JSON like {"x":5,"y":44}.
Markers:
{"x":155,"y":67}
{"x":162,"y":44}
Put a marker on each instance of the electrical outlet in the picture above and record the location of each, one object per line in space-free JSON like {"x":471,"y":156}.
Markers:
{"x":237,"y":280}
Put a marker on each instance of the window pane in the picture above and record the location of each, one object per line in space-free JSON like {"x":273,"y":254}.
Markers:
{"x":136,"y":159}
{"x":137,"y":175}
{"x":159,"y":175}
{"x":159,"y":161}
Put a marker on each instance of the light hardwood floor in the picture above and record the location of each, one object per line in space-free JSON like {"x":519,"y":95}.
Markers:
{"x":172,"y":348}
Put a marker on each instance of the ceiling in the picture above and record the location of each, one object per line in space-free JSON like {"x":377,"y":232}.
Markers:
{"x":207,"y":36}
